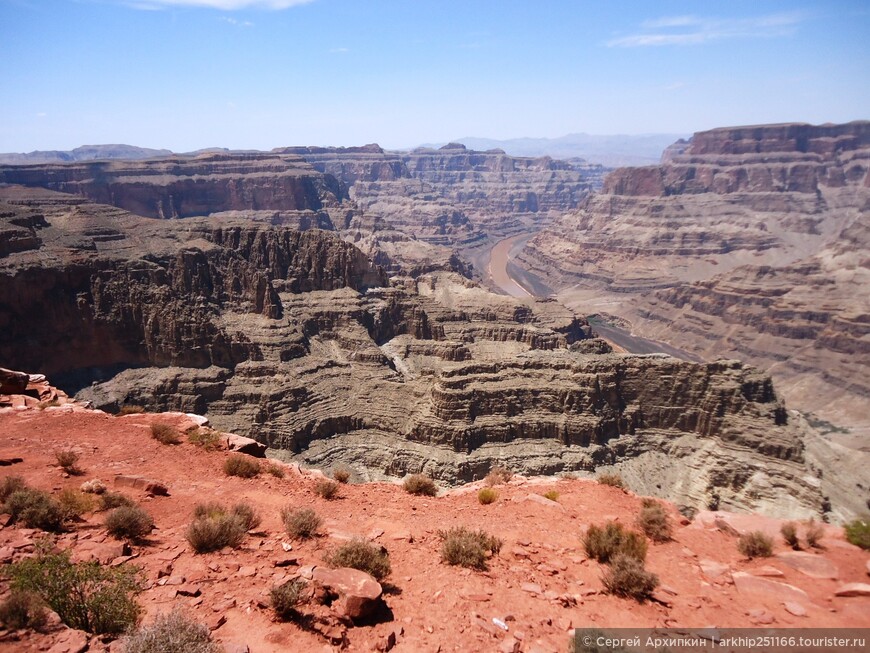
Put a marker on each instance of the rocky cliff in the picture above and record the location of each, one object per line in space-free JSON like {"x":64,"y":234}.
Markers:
{"x":294,"y":338}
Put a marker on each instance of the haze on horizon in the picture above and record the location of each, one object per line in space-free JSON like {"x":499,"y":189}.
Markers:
{"x":258,"y":74}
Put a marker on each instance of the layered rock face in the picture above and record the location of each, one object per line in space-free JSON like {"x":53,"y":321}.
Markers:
{"x":294,"y":338}
{"x":748,"y":242}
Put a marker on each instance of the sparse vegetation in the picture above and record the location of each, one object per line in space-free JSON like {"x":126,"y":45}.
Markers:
{"x":608,"y":542}
{"x":130,"y":409}
{"x":173,"y":632}
{"x":815,"y":533}
{"x":755,"y":545}
{"x":23,"y":610}
{"x":214,"y":528}
{"x":274,"y":469}
{"x":467,"y":548}
{"x":627,"y":577}
{"x":326,"y":488}
{"x":204,"y":438}
{"x":286,"y":597}
{"x":301,"y":524}
{"x":341,"y":474}
{"x":75,"y":503}
{"x":249,"y":517}
{"x":421,"y":485}
{"x":67,"y":460}
{"x":362,"y":555}
{"x":790,"y":535}
{"x":9,"y":485}
{"x":85,"y":595}
{"x":498,"y":475}
{"x":858,"y":533}
{"x":129,"y":523}
{"x":654,"y":522}
{"x":110,"y":500}
{"x":552,"y":495}
{"x":94,"y":486}
{"x":42,"y":405}
{"x":238,"y":464}
{"x":487,"y":495}
{"x":165,"y":433}
{"x":613,"y":480}
{"x":35,"y":509}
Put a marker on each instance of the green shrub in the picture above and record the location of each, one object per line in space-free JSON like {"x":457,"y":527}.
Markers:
{"x":604,"y":544}
{"x":67,"y":460}
{"x":421,"y":485}
{"x":467,"y":548}
{"x":613,"y":480}
{"x":815,"y":533}
{"x":341,"y":474}
{"x":23,"y":610}
{"x":362,"y":555}
{"x":789,"y":534}
{"x":552,"y":495}
{"x":36,"y":509}
{"x":10,"y":485}
{"x":129,"y":522}
{"x":498,"y":475}
{"x":165,"y":434}
{"x":130,"y":409}
{"x":214,"y":528}
{"x":626,"y":576}
{"x":85,"y":595}
{"x":241,"y":465}
{"x":487,"y":495}
{"x":205,"y":438}
{"x":858,"y":533}
{"x":110,"y":500}
{"x":173,"y":632}
{"x":286,"y":597}
{"x":654,"y":522}
{"x":755,"y":545}
{"x":301,"y":524}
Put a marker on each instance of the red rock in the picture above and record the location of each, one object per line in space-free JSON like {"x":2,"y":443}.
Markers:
{"x":531,"y":588}
{"x":241,"y":444}
{"x":509,"y":645}
{"x":755,"y":586}
{"x":714,"y":570}
{"x":359,"y":595}
{"x":853,"y":589}
{"x":216,"y":621}
{"x":814,"y":566}
{"x":760,"y":616}
{"x":769,"y":572}
{"x":795,"y":608}
{"x":147,"y":485}
{"x":188,"y":590}
{"x":71,"y":641}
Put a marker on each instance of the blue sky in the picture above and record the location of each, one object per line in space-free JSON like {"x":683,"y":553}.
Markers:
{"x":187,"y":74}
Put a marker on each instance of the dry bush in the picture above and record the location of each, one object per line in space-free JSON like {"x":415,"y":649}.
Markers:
{"x":858,"y":533}
{"x":110,"y":500}
{"x":173,"y":632}
{"x":326,"y":488}
{"x":755,"y":545}
{"x":165,"y":434}
{"x":275,"y":470}
{"x":129,"y":523}
{"x":130,"y":409}
{"x":487,"y":495}
{"x":214,"y":528}
{"x":239,"y":464}
{"x":815,"y":533}
{"x":341,"y":474}
{"x":552,"y":495}
{"x":23,"y":610}
{"x":67,"y":460}
{"x":249,"y":517}
{"x":653,"y":520}
{"x":467,"y":548}
{"x":613,"y":480}
{"x":42,"y":405}
{"x":790,"y":535}
{"x":421,"y":485}
{"x":301,"y":524}
{"x":626,"y":576}
{"x":204,"y":438}
{"x":498,"y":475}
{"x":75,"y":503}
{"x":359,"y":554}
{"x":604,"y":544}
{"x":286,"y":597}
{"x":10,"y":485}
{"x":35,"y":509}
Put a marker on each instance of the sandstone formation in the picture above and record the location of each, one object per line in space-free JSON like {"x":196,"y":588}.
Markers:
{"x":746,"y":242}
{"x":292,"y":337}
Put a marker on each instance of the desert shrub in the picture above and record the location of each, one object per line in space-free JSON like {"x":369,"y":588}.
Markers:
{"x":487,"y":495}
{"x":815,"y":533}
{"x":67,"y":460}
{"x":341,"y":474}
{"x":362,"y":555}
{"x":35,"y":509}
{"x":241,"y":465}
{"x":23,"y":610}
{"x":245,"y":512}
{"x":286,"y":597}
{"x":173,"y":632}
{"x":604,"y":544}
{"x":85,"y":595}
{"x":165,"y":434}
{"x":552,"y":495}
{"x":110,"y":500}
{"x":755,"y":545}
{"x":10,"y":485}
{"x":858,"y":533}
{"x":75,"y":503}
{"x":420,"y":484}
{"x":326,"y":488}
{"x":129,"y":522}
{"x":275,"y":470}
{"x":130,"y":409}
{"x":42,"y":405}
{"x":467,"y":548}
{"x":654,"y":522}
{"x":613,"y":480}
{"x":789,"y":534}
{"x":302,"y":523}
{"x":204,"y":438}
{"x":94,"y":486}
{"x":626,"y":576}
{"x":213,"y":528}
{"x":498,"y":475}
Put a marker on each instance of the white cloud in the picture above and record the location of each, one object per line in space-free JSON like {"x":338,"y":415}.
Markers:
{"x":339,"y":50}
{"x":225,"y":5}
{"x":41,"y":114}
{"x":695,"y":30}
{"x":233,"y":21}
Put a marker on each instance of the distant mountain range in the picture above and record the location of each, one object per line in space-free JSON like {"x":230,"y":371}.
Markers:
{"x":83,"y":153}
{"x":612,"y":151}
